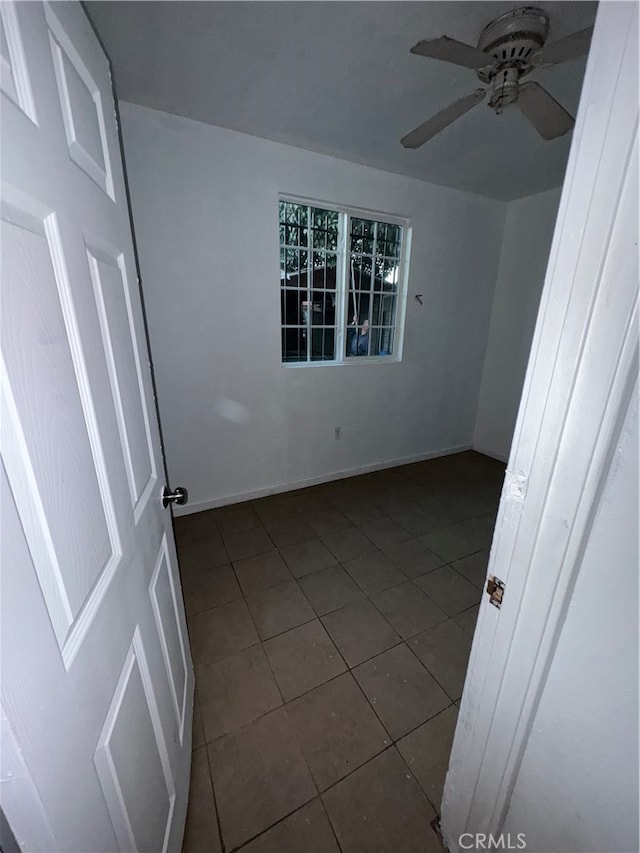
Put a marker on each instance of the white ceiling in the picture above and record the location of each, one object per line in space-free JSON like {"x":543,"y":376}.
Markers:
{"x":338,"y":78}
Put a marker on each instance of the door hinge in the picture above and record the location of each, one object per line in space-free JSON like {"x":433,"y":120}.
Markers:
{"x":495,"y":590}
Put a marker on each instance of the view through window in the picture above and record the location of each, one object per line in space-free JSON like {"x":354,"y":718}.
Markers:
{"x":337,"y":304}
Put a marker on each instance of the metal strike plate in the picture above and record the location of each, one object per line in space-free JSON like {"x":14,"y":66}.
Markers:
{"x":495,"y":590}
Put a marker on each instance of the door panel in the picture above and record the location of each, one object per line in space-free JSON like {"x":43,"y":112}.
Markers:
{"x":64,"y":494}
{"x":14,"y":77}
{"x":81,"y":106}
{"x":97,"y":677}
{"x":166,"y":601}
{"x":113,"y":297}
{"x":140,"y":796}
{"x":53,"y":740}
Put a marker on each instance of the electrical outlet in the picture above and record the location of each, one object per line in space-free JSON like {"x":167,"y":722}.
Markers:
{"x":338,"y":433}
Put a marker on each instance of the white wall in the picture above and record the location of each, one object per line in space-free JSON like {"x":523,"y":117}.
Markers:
{"x":577,"y":789}
{"x":205,"y":214}
{"x":523,"y":262}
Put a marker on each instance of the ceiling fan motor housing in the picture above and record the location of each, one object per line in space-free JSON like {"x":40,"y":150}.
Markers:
{"x":509,"y":42}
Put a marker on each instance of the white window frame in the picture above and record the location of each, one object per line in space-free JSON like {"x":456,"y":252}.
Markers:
{"x":345,"y":214}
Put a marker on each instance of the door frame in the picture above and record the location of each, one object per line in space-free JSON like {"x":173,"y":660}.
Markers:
{"x":19,"y":797}
{"x":581,"y":375}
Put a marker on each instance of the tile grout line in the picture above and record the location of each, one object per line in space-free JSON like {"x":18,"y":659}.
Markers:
{"x":401,"y":640}
{"x":213,"y":795}
{"x":319,"y":617}
{"x":238,"y":848}
{"x":283,"y":705}
{"x":349,"y":669}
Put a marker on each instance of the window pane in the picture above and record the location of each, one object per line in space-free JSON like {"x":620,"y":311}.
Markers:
{"x":324,"y":308}
{"x":289,"y":260}
{"x":357,"y":338}
{"x":378,"y":278}
{"x":358,"y":307}
{"x":323,"y":345}
{"x":383,"y":313}
{"x":319,"y":238}
{"x":308,"y":277}
{"x":293,"y":214}
{"x":301,"y":260}
{"x":294,"y":345}
{"x":292,"y":235}
{"x":325,"y":269}
{"x":382,"y":341}
{"x":389,"y":273}
{"x":361,"y":272}
{"x":362,"y":235}
{"x":325,"y":274}
{"x":293,"y":306}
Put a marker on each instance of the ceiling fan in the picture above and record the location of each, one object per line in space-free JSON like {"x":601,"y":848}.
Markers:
{"x":509,"y":48}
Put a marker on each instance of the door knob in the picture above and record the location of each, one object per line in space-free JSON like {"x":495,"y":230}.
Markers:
{"x":178,"y":496}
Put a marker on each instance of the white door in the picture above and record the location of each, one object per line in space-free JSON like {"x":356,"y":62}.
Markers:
{"x":580,"y":384}
{"x":97,"y":678}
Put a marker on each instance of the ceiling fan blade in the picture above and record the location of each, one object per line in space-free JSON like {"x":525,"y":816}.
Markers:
{"x":450,"y":50}
{"x":548,"y":117}
{"x":567,"y":48}
{"x":440,"y":120}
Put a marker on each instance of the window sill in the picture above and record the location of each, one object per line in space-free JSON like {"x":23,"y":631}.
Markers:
{"x":373,"y":359}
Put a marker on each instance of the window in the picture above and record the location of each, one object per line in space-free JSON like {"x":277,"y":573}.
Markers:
{"x":338,"y":305}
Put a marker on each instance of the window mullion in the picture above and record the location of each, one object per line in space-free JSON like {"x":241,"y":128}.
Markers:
{"x":373,"y":285}
{"x":309,"y":282}
{"x":343,"y":286}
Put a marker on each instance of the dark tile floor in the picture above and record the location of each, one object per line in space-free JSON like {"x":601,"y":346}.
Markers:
{"x":330,"y":630}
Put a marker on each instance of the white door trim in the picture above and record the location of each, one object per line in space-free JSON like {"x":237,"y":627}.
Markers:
{"x":581,"y":373}
{"x":20,"y":798}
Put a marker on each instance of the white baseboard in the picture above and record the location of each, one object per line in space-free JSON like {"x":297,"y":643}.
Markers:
{"x":494,"y":454}
{"x":201,"y":506}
